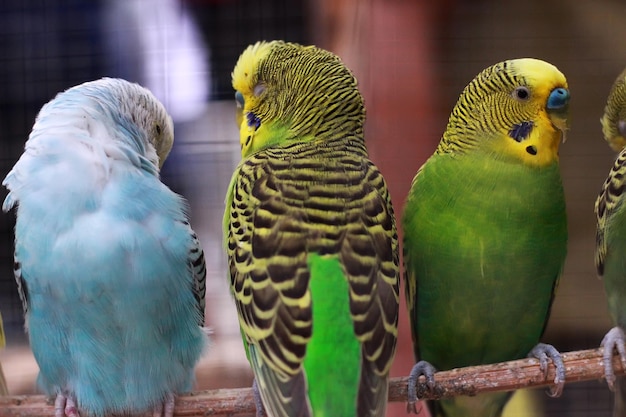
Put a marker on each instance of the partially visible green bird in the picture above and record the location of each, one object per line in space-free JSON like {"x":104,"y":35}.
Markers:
{"x":611,"y":238}
{"x":485,"y":230}
{"x":613,"y":120}
{"x":311,"y":238}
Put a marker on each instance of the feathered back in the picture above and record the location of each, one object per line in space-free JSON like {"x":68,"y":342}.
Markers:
{"x":303,"y":91}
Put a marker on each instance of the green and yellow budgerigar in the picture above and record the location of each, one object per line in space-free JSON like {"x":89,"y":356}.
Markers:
{"x":611,"y":237}
{"x":485,"y":232}
{"x":311,"y":237}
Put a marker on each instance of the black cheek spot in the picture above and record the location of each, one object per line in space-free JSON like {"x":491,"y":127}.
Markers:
{"x":531,"y":150}
{"x":521,"y":131}
{"x":253,"y":120}
{"x":248,"y":141}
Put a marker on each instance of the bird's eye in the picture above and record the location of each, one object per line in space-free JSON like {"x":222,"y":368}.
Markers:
{"x":239,"y":99}
{"x":158,"y":129}
{"x":259,"y":89}
{"x":621,"y":128}
{"x":521,"y":93}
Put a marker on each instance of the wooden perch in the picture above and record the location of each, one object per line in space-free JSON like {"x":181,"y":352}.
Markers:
{"x":582,"y":365}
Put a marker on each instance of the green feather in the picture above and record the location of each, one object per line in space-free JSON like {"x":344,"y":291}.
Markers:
{"x":494,"y":260}
{"x":615,"y":266}
{"x":487,"y":272}
{"x":333,"y":342}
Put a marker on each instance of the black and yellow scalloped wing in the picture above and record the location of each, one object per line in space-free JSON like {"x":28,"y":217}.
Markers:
{"x":607,"y":203}
{"x":286,"y":204}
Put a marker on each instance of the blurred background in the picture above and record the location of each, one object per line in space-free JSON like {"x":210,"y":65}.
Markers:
{"x":412,"y":59}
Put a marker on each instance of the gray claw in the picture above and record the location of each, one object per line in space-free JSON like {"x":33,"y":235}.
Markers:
{"x":613,"y":340}
{"x":543,"y":352}
{"x":420,"y":368}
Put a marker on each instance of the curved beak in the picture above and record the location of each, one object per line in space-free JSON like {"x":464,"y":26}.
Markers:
{"x":558,"y":109}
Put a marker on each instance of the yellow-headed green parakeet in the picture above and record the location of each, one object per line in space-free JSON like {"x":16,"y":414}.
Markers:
{"x":311,"y":237}
{"x":611,"y":237}
{"x":485,"y":233}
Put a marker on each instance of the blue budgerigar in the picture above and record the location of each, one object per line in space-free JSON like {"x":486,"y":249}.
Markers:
{"x":111,"y":275}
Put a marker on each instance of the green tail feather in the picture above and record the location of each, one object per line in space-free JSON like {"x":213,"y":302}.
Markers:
{"x":332,"y":361}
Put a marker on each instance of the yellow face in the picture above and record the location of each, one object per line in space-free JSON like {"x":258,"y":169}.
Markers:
{"x":515,"y":109}
{"x":249,"y":93}
{"x":291,"y":93}
{"x":540,"y":104}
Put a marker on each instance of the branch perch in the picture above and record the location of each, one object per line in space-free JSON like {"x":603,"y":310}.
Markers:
{"x":580,"y":366}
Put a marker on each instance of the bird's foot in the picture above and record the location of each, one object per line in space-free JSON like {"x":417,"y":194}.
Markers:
{"x":613,"y":340}
{"x":420,"y":368}
{"x":65,"y":406}
{"x":166,"y":408}
{"x":258,"y":402}
{"x":543,"y":352}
